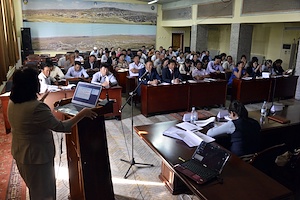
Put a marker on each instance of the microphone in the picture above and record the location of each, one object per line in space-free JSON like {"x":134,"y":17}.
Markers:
{"x":143,"y":76}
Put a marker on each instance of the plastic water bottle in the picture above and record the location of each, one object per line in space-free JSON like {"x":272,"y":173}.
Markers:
{"x":194,"y":115}
{"x":263,"y":110}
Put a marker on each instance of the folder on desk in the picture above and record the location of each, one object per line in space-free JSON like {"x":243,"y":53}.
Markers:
{"x":279,"y":119}
{"x":206,"y":164}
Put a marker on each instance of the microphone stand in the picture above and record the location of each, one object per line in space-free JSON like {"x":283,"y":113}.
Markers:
{"x":132,"y":161}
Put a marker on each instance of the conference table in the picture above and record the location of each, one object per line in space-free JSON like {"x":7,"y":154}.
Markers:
{"x":240,"y":180}
{"x":175,"y":97}
{"x":264,"y":89}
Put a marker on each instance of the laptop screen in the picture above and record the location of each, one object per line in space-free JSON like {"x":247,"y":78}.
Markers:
{"x":211,"y":155}
{"x":87,"y":94}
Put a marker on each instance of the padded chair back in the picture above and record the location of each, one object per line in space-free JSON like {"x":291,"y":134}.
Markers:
{"x":265,"y":159}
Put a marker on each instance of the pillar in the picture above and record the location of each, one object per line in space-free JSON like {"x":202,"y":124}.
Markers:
{"x":199,"y":37}
{"x":240,"y":41}
{"x":297,"y":73}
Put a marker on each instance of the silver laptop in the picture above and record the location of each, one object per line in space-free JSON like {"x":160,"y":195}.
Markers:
{"x":85,"y":95}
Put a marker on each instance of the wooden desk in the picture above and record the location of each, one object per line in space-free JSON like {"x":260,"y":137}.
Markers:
{"x":121,"y":78}
{"x":166,"y":98}
{"x":273,"y":133}
{"x":207,"y":93}
{"x":283,"y":87}
{"x":249,"y":91}
{"x":241,"y":180}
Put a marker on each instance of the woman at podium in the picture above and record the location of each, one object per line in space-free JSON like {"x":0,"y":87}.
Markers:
{"x":32,"y":123}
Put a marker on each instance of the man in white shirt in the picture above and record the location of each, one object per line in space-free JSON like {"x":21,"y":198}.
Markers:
{"x":45,"y":79}
{"x":95,"y":52}
{"x":55,"y":72}
{"x":143,"y":57}
{"x":155,"y":56}
{"x":228,"y":65}
{"x":76,"y":71}
{"x":104,"y":77}
{"x":78,"y":57}
{"x":135,"y":67}
{"x":104,"y":57}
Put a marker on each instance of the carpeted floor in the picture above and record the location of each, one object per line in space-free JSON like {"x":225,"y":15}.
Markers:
{"x":143,"y":183}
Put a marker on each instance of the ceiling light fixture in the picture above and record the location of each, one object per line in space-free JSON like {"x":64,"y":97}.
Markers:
{"x":152,"y":2}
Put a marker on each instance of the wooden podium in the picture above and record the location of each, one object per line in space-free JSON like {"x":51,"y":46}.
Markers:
{"x":88,"y":159}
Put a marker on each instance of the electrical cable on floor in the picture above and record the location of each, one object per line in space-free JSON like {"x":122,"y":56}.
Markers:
{"x":128,"y":152}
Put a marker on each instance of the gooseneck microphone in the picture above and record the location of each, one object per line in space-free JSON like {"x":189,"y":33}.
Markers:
{"x":143,"y":76}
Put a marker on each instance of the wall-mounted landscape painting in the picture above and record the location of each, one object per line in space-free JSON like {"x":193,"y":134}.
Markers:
{"x":66,"y":25}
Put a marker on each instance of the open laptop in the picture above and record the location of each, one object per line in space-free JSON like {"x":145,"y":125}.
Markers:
{"x":206,"y":164}
{"x":85,"y":95}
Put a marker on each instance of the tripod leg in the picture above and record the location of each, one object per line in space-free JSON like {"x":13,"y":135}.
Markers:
{"x":145,"y":164}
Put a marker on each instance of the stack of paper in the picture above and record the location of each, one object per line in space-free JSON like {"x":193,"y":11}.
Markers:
{"x":189,"y":133}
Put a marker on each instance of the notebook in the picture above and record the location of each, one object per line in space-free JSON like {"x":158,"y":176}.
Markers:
{"x":85,"y":95}
{"x":206,"y":163}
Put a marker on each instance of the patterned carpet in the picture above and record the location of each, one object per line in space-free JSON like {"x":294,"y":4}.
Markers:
{"x":143,"y":183}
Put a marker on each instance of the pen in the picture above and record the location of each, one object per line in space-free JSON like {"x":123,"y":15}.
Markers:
{"x":181,"y":159}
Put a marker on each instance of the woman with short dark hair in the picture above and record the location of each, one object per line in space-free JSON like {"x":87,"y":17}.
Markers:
{"x":32,"y":123}
{"x":244,"y":131}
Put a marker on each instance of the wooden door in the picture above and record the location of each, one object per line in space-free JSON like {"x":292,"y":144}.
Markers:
{"x":177,"y":41}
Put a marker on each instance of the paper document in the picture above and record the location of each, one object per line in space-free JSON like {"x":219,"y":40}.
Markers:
{"x":204,"y":137}
{"x":68,"y":87}
{"x":201,"y":123}
{"x":174,"y":132}
{"x":192,"y":139}
{"x":188,"y":126}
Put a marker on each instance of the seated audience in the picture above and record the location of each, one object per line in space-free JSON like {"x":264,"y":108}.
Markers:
{"x":254,"y":69}
{"x":170,"y":53}
{"x":152,"y":78}
{"x":45,"y":79}
{"x":70,"y":61}
{"x":143,"y":57}
{"x":228,"y":65}
{"x":104,"y":77}
{"x":78,"y":57}
{"x":244,"y":131}
{"x":126,"y":56}
{"x":76,"y":71}
{"x":244,"y":59}
{"x":135,"y":66}
{"x":155,"y":56}
{"x":199,"y":73}
{"x":277,"y":67}
{"x":186,"y":69}
{"x":91,"y":64}
{"x":104,"y":57}
{"x":207,"y":54}
{"x":55,"y":72}
{"x":95,"y":52}
{"x":121,"y":63}
{"x":238,"y":72}
{"x":180,"y":58}
{"x":158,"y":63}
{"x":164,"y":64}
{"x":223,"y":58}
{"x":62,"y":60}
{"x":268,"y":67}
{"x":215,"y":66}
{"x":112,"y":60}
{"x":171,"y":73}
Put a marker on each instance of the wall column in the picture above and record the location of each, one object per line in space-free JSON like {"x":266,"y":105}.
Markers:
{"x":297,"y":73}
{"x":240,"y":41}
{"x":199,"y":37}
